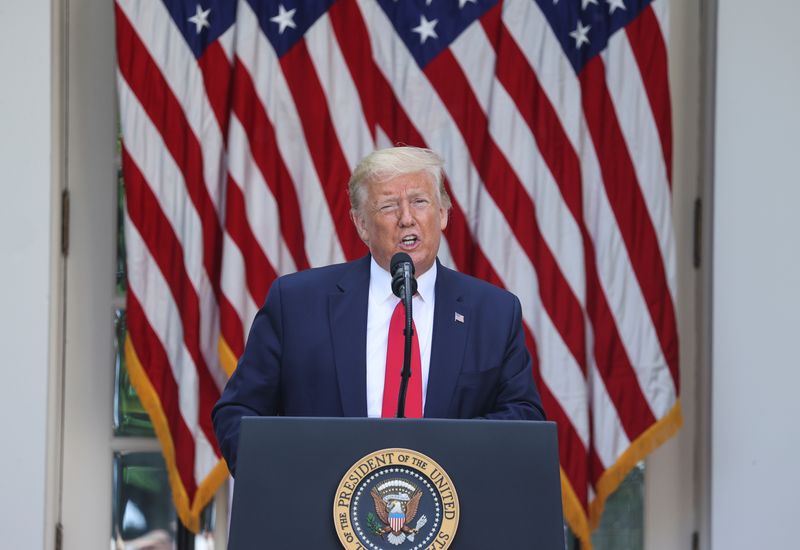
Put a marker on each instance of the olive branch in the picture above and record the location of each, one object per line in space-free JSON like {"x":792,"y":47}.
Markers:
{"x":373,"y":524}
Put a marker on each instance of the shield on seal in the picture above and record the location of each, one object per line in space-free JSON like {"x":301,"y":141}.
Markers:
{"x":396,"y":520}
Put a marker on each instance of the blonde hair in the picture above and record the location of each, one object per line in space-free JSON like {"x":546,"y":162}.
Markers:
{"x":385,"y":164}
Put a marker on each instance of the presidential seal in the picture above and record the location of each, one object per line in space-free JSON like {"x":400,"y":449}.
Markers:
{"x":396,"y":499}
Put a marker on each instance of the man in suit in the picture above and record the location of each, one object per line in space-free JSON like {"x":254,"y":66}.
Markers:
{"x":328,"y":341}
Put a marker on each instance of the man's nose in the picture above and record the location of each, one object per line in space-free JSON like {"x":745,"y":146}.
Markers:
{"x":406,"y":219}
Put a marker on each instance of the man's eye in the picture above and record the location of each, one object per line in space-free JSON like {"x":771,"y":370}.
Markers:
{"x":388,"y":207}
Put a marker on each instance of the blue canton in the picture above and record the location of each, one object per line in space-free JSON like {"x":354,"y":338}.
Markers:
{"x":282,"y":37}
{"x":597,"y":21}
{"x":221,"y":15}
{"x":451,"y":20}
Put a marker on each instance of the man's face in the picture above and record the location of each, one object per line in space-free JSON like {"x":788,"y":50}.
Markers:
{"x":402,"y":214}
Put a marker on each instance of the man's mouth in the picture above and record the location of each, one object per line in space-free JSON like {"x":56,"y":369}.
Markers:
{"x":409,"y":242}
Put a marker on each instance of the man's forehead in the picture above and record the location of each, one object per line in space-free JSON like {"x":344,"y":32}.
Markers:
{"x":415,"y":184}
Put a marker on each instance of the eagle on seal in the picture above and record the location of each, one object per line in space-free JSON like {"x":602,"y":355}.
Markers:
{"x":395,"y":514}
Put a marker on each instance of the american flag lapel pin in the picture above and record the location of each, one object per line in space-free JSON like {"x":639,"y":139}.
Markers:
{"x":459,"y":318}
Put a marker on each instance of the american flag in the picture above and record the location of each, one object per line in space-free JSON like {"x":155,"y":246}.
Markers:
{"x":242,"y":121}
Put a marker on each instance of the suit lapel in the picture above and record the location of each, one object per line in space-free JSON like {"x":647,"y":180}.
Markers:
{"x":347,"y":307}
{"x":449,"y":341}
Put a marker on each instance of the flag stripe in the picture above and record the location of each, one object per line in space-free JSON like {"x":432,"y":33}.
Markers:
{"x":641,"y":135}
{"x":618,"y":282}
{"x":516,"y":206}
{"x":571,"y":448}
{"x":144,"y":144}
{"x":323,"y":142}
{"x":217,"y":74}
{"x":551,"y":142}
{"x":258,"y":272}
{"x":260,"y":61}
{"x":650,"y":51}
{"x":514,"y":139}
{"x":146,"y":214}
{"x":155,"y":97}
{"x":263,"y":151}
{"x":631,"y":214}
{"x":340,"y":92}
{"x":162,"y":54}
{"x":151,"y":353}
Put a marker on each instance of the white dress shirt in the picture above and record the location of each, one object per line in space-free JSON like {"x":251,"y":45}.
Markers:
{"x":379,"y":314}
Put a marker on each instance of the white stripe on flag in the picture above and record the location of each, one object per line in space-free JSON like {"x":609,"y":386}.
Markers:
{"x":262,"y":210}
{"x":619,"y":282}
{"x":344,"y":103}
{"x":169,"y":51}
{"x":476,"y":57}
{"x":146,"y":147}
{"x":260,"y":60}
{"x":638,"y":126}
{"x":147,"y":283}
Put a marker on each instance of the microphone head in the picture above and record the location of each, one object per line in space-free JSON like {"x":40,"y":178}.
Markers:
{"x":399,"y":259}
{"x":398,"y":282}
{"x":398,"y":278}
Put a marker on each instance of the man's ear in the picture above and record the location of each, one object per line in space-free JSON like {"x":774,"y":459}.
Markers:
{"x":361,"y":226}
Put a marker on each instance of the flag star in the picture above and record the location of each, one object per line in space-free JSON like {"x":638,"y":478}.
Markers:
{"x":614,"y":4}
{"x":425,"y":29}
{"x":200,"y":19}
{"x":462,"y":3}
{"x":284,"y":18}
{"x":579,"y":34}
{"x":585,"y":3}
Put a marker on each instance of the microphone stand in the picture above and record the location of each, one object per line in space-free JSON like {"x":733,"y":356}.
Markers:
{"x":405,"y":374}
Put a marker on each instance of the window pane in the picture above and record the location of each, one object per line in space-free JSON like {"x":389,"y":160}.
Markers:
{"x":623,"y":518}
{"x":130,"y":418}
{"x":622,"y":524}
{"x":143,"y":515}
{"x":122,"y":274}
{"x":142,"y":507}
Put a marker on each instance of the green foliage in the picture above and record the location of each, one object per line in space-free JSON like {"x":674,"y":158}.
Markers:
{"x":373,"y":524}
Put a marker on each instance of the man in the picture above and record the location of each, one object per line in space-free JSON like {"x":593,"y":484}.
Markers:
{"x":322,"y":344}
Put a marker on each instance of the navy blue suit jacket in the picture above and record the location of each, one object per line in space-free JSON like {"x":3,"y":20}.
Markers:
{"x":306,"y":353}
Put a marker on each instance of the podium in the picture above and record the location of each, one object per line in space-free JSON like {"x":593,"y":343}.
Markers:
{"x":396,"y":484}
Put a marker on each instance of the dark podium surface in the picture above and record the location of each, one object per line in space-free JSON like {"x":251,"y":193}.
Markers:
{"x":505,"y":473}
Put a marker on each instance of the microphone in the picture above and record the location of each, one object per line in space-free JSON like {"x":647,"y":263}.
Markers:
{"x":402,"y":270}
{"x":404,"y":285}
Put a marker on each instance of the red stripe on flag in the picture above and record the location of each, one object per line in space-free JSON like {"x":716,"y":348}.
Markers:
{"x":354,"y":43}
{"x":217,"y":78}
{"x":650,"y":51}
{"x":259,"y":273}
{"x":571,"y":451}
{"x":323,"y":143}
{"x":148,"y":84}
{"x":264,"y":148}
{"x":535,"y":108}
{"x":516,"y":205}
{"x":165,"y":248}
{"x":625,"y":196}
{"x":156,"y":364}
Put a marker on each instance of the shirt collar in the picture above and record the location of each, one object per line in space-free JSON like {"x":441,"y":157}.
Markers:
{"x":380,"y":283}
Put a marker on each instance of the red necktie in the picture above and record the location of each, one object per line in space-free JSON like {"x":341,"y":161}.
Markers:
{"x":394,"y":366}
